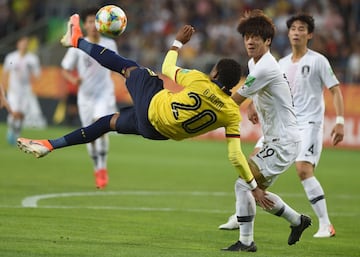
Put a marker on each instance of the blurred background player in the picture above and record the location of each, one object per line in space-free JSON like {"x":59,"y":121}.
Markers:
{"x":20,"y":69}
{"x":308,"y":73}
{"x":96,"y":96}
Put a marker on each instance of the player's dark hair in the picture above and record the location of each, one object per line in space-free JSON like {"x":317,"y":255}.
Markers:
{"x":303,"y":17}
{"x":256,"y":23}
{"x":90,"y":11}
{"x":229,"y":74}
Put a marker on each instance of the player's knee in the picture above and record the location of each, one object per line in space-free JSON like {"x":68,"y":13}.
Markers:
{"x":304,"y":170}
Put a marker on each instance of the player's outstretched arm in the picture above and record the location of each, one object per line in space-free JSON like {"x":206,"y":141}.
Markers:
{"x":183,"y":36}
{"x":337,"y":133}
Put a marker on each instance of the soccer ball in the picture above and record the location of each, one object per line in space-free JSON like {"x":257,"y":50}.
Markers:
{"x":111,"y":20}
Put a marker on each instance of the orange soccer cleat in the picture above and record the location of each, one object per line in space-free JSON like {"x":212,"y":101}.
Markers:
{"x":73,"y":32}
{"x":38,"y":148}
{"x":101,"y":178}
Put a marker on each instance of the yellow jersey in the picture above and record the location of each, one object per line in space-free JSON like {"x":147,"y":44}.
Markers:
{"x":200,"y":107}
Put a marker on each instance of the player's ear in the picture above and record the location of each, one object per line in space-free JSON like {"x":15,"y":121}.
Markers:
{"x":268,"y":41}
{"x":214,"y":73}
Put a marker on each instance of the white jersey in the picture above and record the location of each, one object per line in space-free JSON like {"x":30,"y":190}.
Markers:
{"x":95,"y":79}
{"x":21,"y":69}
{"x":307,"y":79}
{"x":266,"y":85}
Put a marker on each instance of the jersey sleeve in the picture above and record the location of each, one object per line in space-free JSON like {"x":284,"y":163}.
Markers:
{"x":35,"y":68}
{"x":327,"y":74}
{"x":169,"y":67}
{"x":256,"y":80}
{"x":238,"y":159}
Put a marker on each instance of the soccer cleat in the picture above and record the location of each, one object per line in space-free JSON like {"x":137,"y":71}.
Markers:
{"x":101,"y":178}
{"x":240,"y":247}
{"x":231,"y":224}
{"x":38,"y":148}
{"x":296,"y":231}
{"x":73,"y":32}
{"x":325,"y":231}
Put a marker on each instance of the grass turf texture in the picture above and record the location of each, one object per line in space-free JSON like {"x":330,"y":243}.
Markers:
{"x":164,"y":199}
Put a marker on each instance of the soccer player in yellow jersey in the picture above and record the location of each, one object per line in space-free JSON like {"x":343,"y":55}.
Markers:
{"x":158,"y":114}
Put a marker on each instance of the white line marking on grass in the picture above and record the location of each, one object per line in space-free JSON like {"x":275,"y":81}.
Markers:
{"x":32,"y":201}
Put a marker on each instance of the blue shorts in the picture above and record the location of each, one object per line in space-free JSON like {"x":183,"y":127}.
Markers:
{"x":142,"y":85}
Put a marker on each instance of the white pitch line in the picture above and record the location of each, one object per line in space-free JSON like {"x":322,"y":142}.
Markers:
{"x":32,"y":201}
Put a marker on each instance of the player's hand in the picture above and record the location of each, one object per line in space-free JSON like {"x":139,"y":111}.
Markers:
{"x":252,"y":114}
{"x":261,"y":199}
{"x":185,"y":33}
{"x":337,"y":134}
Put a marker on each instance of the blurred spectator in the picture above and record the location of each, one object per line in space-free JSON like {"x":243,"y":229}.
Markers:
{"x":152,"y":24}
{"x":353,"y":68}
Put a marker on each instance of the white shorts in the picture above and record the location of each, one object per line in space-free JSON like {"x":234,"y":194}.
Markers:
{"x":275,"y":158}
{"x":311,"y":143}
{"x":91,"y":110}
{"x":20,"y":102}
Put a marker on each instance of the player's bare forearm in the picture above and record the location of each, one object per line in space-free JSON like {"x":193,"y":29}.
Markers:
{"x":252,"y":114}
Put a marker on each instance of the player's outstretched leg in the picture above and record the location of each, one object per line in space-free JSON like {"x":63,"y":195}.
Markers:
{"x":38,"y":148}
{"x":73,"y":32}
{"x":296,"y":231}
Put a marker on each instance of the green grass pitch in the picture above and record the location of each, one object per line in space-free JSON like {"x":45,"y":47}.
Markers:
{"x":163,"y":199}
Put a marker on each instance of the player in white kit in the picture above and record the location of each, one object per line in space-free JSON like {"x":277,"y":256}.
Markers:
{"x":271,"y":96}
{"x":308,"y":73}
{"x":20,"y":68}
{"x":96,"y":96}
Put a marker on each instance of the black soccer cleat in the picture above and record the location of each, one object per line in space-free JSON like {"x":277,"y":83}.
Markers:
{"x":296,"y":231}
{"x":240,"y":247}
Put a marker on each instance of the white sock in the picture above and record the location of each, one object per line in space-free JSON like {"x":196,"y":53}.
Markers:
{"x":316,"y":196}
{"x":281,"y":209}
{"x":14,"y":125}
{"x":93,"y":155}
{"x":245,"y":212}
{"x":102,"y":148}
